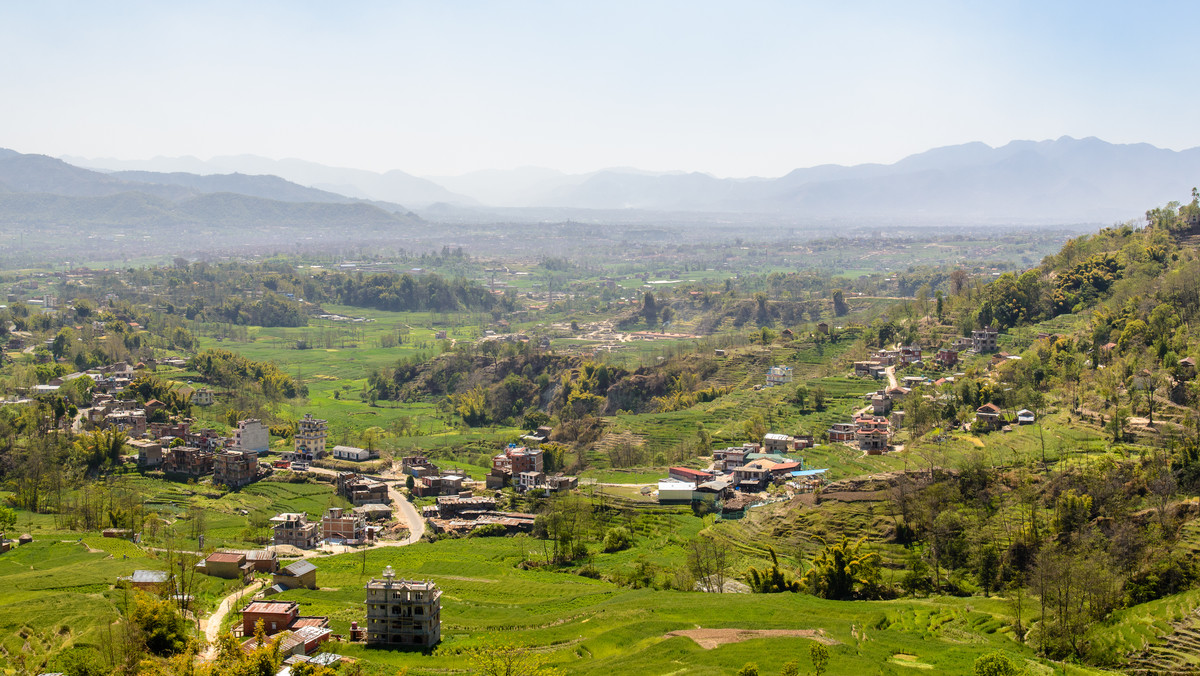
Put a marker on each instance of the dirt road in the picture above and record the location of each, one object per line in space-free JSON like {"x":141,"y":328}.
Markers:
{"x":212,"y":624}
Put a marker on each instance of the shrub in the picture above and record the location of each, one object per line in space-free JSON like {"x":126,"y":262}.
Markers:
{"x":617,"y":539}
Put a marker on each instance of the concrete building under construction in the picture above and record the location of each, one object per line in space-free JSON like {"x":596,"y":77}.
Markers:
{"x":403,"y":612}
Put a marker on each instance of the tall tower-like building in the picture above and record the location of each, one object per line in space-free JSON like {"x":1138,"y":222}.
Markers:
{"x":310,"y":437}
{"x":403,"y":612}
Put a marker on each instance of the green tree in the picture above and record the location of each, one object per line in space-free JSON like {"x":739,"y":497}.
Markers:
{"x":649,"y":308}
{"x":772,"y":580}
{"x":987,"y":567}
{"x":533,"y":420}
{"x":791,"y":668}
{"x":750,"y":669}
{"x":800,"y":396}
{"x":8,"y":518}
{"x":840,"y":308}
{"x":819,"y":654}
{"x":62,"y":342}
{"x":818,"y":395}
{"x":504,"y":659}
{"x":162,"y":627}
{"x":997,"y":663}
{"x":841,"y":570}
{"x":754,"y":428}
{"x":471,"y":406}
{"x":617,"y":539}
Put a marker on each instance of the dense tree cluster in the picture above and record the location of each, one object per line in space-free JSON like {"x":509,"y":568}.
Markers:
{"x":404,"y":292}
{"x":229,"y":369}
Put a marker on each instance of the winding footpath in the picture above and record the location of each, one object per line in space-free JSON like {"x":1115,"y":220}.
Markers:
{"x":212,"y":624}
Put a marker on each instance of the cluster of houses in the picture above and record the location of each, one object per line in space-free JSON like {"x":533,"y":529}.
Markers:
{"x":182,"y":452}
{"x":749,"y":468}
{"x":981,"y":341}
{"x":428,"y":479}
{"x":298,"y":635}
{"x":522,"y":467}
{"x":876,"y":367}
{"x":337,"y":526}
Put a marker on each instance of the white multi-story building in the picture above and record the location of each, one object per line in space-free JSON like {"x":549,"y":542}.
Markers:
{"x":252,"y":435}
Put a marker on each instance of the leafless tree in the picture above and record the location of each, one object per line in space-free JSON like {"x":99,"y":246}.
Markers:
{"x":708,"y":562}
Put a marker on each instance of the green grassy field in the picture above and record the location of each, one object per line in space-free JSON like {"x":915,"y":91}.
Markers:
{"x":585,"y":626}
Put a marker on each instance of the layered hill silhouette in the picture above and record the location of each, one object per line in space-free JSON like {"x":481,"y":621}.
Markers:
{"x":1048,"y":181}
{"x":393,"y":186}
{"x":1065,"y":180}
{"x":39,"y":189}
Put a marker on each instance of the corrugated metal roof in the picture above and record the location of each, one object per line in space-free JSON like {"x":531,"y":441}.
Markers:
{"x":299,"y":567}
{"x":149,"y":576}
{"x":225,"y":557}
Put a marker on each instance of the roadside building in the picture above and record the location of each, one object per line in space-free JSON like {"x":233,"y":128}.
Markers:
{"x":311,"y":434}
{"x":346,"y":525}
{"x":427,"y":486}
{"x":689,"y":475}
{"x":351,"y":453}
{"x":262,"y":560}
{"x":672,"y":491}
{"x":418,"y":466}
{"x":360,"y":489}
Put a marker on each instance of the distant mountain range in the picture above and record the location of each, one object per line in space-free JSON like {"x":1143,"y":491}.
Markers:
{"x":51,"y":209}
{"x":1063,"y":180}
{"x":39,"y":189}
{"x":392,"y":186}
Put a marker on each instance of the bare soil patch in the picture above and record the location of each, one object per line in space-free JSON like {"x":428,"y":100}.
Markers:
{"x":711,"y":638}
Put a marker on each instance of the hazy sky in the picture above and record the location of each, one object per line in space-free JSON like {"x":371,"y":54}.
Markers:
{"x":450,"y":86}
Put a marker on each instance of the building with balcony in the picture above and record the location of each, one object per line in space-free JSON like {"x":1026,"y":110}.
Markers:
{"x":403,"y":612}
{"x":311,"y":434}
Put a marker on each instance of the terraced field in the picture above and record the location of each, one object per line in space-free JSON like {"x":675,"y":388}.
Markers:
{"x":590,"y":627}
